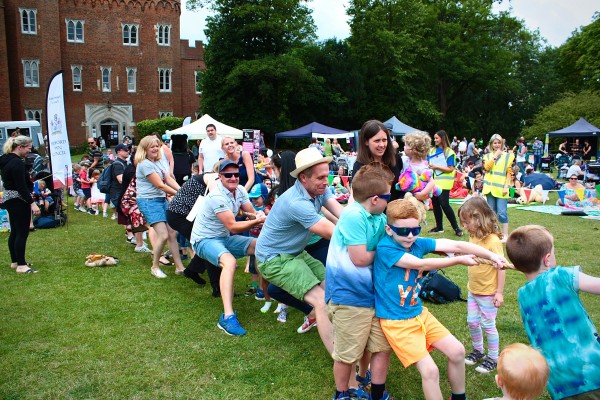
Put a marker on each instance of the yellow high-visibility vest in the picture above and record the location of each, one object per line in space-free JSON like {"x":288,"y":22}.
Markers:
{"x":445,"y":180}
{"x":495,"y":179}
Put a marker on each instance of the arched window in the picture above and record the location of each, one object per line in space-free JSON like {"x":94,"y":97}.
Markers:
{"x":31,"y":73}
{"x":76,"y":71}
{"x":106,"y":73}
{"x":28,"y":20}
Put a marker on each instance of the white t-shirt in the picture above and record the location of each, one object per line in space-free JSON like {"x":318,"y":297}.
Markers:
{"x":212,"y":152}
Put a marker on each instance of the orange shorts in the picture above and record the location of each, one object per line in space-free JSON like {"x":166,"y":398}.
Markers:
{"x":412,"y":339}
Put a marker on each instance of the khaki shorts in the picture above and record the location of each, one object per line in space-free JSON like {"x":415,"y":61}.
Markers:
{"x":354,"y":330}
{"x":412,"y":339}
{"x":294,"y":274}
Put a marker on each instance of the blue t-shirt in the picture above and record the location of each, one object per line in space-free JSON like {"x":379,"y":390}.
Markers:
{"x":345,"y":283}
{"x":397,"y":289}
{"x":285,"y":230}
{"x":559,"y":326}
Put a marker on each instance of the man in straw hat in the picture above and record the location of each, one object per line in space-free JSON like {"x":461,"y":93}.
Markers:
{"x":287,"y":230}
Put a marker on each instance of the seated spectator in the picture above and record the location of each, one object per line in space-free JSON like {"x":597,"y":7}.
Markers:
{"x":575,"y":169}
{"x":532,"y":179}
{"x":571,"y":198}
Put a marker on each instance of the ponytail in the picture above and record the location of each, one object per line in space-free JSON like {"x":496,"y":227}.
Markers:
{"x":14,"y":142}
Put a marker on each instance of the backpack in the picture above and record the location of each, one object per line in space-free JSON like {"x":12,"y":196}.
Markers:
{"x":438,"y":289}
{"x":105,"y":180}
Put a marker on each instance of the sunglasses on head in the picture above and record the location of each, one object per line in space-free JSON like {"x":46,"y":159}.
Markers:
{"x":230,"y":175}
{"x":385,"y":197}
{"x":405,"y":231}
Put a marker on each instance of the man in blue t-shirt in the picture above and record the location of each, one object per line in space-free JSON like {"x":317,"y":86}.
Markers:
{"x":349,"y":284}
{"x":287,"y":230}
{"x":408,"y":326}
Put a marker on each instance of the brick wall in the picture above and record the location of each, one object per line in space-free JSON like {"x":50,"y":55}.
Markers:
{"x":192,"y":60}
{"x":5,"y":114}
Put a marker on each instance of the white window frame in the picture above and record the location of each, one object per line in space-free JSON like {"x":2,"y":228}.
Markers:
{"x":163,"y":34}
{"x":133,"y":71}
{"x":32,"y":114}
{"x":75,"y":23}
{"x":127,"y":37}
{"x":107,"y":87}
{"x":31,"y":72}
{"x":196,"y":76}
{"x":162,"y":114}
{"x":165,"y":80}
{"x":31,"y":28}
{"x":80,"y":69}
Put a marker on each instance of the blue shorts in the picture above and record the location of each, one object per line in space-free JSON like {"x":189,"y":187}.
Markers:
{"x":79,"y":192}
{"x":87,"y":193}
{"x":153,"y":209}
{"x":212,"y":249}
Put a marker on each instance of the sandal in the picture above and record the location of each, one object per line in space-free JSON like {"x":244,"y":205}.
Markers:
{"x":27,"y":263}
{"x":164,"y":261}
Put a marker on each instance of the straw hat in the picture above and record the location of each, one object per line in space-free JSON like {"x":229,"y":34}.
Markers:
{"x":307,"y":158}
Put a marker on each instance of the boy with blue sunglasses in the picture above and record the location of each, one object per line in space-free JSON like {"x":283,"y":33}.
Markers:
{"x":409,"y":327}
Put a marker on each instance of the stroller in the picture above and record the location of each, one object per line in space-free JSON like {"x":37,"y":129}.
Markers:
{"x":546,"y":164}
{"x":342,"y":162}
{"x":55,"y":215}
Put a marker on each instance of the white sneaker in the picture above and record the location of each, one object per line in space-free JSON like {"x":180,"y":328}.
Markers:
{"x":142,"y":249}
{"x":158,"y":273}
{"x":282,"y":317}
{"x":280,"y":306}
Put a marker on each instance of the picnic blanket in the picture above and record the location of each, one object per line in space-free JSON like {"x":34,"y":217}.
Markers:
{"x":593,"y":213}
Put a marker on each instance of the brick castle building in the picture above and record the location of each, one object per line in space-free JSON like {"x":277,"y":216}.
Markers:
{"x":122,"y":62}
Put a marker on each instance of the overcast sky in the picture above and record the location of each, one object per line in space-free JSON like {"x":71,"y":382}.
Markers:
{"x":555,"y":19}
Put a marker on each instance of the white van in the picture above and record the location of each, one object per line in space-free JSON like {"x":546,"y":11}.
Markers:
{"x":26,"y":128}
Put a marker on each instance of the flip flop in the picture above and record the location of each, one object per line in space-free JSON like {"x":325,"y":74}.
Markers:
{"x":28,"y":271}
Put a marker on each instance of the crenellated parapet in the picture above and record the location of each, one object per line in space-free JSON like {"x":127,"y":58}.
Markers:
{"x":139,"y":4}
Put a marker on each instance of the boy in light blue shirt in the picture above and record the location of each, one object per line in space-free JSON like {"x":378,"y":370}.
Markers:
{"x":349,"y":290}
{"x":555,"y":320}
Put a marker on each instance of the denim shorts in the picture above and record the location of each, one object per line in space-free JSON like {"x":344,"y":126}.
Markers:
{"x":153,"y":209}
{"x":79,"y":192}
{"x":211,"y":249}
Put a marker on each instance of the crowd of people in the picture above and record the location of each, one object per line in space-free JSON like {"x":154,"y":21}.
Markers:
{"x":355,"y":272}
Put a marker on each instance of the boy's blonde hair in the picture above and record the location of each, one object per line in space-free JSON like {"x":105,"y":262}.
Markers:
{"x":476,"y":208}
{"x":76,"y":167}
{"x":142,"y":149}
{"x":373,"y":178}
{"x":401,"y":209}
{"x":419,"y":142}
{"x":96,"y":172}
{"x":522,"y":372}
{"x":527,"y":246}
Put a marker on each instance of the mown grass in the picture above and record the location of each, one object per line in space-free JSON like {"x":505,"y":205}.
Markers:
{"x":73,"y":332}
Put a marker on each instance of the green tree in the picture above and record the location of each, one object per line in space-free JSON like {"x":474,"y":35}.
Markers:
{"x":580,"y":57}
{"x":160,"y":125}
{"x":253,"y":77}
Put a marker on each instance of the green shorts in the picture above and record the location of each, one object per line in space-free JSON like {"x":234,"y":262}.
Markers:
{"x":294,"y":274}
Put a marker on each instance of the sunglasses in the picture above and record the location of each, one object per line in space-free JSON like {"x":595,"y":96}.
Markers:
{"x":385,"y":197}
{"x":405,"y":231}
{"x":572,"y":179}
{"x":230,"y":175}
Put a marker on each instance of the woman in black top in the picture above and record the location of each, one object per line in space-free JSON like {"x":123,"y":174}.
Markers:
{"x":375,"y":144}
{"x":17,"y":199}
{"x":179,"y":207}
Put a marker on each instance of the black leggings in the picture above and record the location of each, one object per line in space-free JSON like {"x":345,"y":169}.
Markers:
{"x":442,"y":202}
{"x":19,"y":213}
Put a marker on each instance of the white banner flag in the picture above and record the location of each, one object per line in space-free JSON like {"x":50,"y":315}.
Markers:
{"x":58,"y":140}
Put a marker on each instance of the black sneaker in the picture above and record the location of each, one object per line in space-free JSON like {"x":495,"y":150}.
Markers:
{"x":474,"y":357}
{"x":458,"y":232}
{"x":436,"y":230}
{"x":486,"y":366}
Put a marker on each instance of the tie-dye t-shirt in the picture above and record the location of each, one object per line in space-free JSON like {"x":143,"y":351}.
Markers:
{"x":559,"y":326}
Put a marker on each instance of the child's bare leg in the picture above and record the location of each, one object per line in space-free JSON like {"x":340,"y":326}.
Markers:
{"x":341,"y":374}
{"x":455,"y":351}
{"x":380,"y":363}
{"x":430,"y":378}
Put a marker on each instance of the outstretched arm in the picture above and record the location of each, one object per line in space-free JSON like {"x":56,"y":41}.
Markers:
{"x":456,"y":246}
{"x":589,"y":284}
{"x":427,"y":264}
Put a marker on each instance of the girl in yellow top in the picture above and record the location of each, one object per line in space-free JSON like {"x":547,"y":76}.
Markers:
{"x":496,"y":181}
{"x":486,"y":283}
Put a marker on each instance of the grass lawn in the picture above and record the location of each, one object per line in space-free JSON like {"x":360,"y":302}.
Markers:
{"x":73,"y":332}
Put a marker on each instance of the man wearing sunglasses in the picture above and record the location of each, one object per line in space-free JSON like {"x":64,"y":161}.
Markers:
{"x":212,"y":237}
{"x":291,"y":223}
{"x":410,"y":328}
